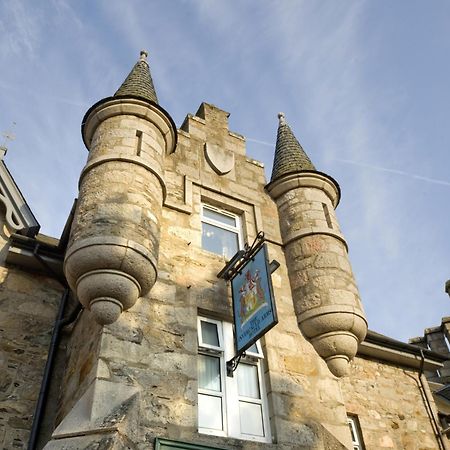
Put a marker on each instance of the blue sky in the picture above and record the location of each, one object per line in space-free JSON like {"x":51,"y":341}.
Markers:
{"x":363,"y":84}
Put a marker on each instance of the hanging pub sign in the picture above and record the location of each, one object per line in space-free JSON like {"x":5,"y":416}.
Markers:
{"x":253,"y":302}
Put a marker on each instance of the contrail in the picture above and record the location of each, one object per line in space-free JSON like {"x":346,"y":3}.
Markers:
{"x":398,"y":172}
{"x":260,"y":142}
{"x":35,"y":94}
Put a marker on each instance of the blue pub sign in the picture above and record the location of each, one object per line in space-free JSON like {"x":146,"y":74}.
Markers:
{"x":253,"y":304}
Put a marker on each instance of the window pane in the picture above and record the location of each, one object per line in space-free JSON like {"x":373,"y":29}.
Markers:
{"x":219,"y":241}
{"x":210,"y":412}
{"x":253,"y":349}
{"x":247,"y":378}
{"x":352,"y":431}
{"x":209,"y":333}
{"x":209,"y":373}
{"x":251,"y":419}
{"x":222,"y":218}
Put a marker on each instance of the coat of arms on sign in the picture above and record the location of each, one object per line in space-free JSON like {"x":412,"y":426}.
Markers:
{"x":252,"y":297}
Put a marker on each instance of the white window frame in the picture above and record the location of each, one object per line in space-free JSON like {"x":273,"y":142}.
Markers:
{"x":204,"y":345}
{"x":355,"y":433}
{"x":230,"y":405}
{"x":258,"y":354}
{"x":216,"y":223}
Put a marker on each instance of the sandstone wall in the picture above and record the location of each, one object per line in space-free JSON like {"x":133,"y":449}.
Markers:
{"x":144,"y":383}
{"x":390,"y":405}
{"x":28,"y":306}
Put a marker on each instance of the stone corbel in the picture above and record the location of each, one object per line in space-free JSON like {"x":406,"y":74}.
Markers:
{"x":104,"y":408}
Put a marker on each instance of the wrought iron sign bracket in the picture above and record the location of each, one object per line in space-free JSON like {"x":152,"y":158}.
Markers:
{"x":239,"y":260}
{"x":233,"y":363}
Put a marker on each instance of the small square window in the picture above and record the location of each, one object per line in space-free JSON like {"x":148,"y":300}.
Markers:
{"x":209,"y":334}
{"x":221,"y":231}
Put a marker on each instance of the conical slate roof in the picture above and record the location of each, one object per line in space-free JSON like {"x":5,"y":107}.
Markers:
{"x":139,"y":82}
{"x":289,"y":154}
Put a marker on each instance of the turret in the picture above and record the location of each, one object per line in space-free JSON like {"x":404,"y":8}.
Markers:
{"x":325,"y":295}
{"x":112,"y":255}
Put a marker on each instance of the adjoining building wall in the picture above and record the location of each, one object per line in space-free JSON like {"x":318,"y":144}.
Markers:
{"x":437,"y":339}
{"x":391,"y":406}
{"x":28,"y":306}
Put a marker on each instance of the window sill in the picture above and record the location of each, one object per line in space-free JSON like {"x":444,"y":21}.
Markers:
{"x":234,"y":439}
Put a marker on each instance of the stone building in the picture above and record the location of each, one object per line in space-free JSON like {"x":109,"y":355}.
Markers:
{"x":117,"y":334}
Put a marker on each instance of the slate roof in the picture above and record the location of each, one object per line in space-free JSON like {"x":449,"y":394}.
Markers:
{"x":139,"y":81}
{"x":289,"y":154}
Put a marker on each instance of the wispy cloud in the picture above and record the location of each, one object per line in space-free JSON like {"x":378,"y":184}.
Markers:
{"x":19,"y":28}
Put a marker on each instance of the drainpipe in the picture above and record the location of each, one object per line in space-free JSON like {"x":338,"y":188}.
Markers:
{"x":60,"y":323}
{"x":429,"y":400}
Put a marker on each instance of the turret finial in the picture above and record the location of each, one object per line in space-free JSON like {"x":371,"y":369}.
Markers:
{"x":282,"y":118}
{"x":143,"y":55}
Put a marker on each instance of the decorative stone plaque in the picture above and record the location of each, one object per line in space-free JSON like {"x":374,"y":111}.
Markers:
{"x":221,"y":160}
